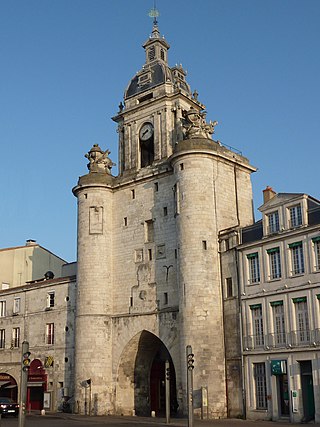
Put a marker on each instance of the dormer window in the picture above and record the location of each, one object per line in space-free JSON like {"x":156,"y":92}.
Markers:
{"x":295,"y":216}
{"x":273,"y":222}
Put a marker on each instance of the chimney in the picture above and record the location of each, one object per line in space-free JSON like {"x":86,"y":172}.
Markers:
{"x":268,"y":194}
{"x":31,"y":242}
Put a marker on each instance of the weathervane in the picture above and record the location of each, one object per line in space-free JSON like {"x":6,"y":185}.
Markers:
{"x":154,"y":13}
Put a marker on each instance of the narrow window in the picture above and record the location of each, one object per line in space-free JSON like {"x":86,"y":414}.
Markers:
{"x":149,"y":231}
{"x":176,"y":253}
{"x":297,"y":259}
{"x":165,"y":298}
{"x":302,"y":333}
{"x":316,"y":248}
{"x":156,"y":186}
{"x":204,"y":245}
{"x":274,"y":263}
{"x":229,"y":287}
{"x":254,"y":269}
{"x":150,"y":254}
{"x":273,"y":222}
{"x":131,"y":301}
{"x":16,"y":306}
{"x":50,"y":333}
{"x":278,"y":323}
{"x":295,"y":216}
{"x":257,"y":324}
{"x":2,"y":308}
{"x":260,"y":385}
{"x":165,"y":211}
{"x":181,"y":166}
{"x":85,"y":195}
{"x":50,"y":299}
{"x":2,"y":338}
{"x":133,"y":194}
{"x":15,"y":338}
{"x":162,"y":54}
{"x":125,"y":221}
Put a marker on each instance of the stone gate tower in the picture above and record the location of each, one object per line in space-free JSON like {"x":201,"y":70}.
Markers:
{"x":149,"y":279}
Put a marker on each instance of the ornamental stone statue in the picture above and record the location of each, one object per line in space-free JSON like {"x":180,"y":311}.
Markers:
{"x":195,"y":125}
{"x":99,"y":160}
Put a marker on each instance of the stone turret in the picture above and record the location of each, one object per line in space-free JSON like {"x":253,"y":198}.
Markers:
{"x":94,"y":284}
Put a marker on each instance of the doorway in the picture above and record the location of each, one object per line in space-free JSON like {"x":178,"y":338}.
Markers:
{"x":283,"y":393}
{"x":307,"y":390}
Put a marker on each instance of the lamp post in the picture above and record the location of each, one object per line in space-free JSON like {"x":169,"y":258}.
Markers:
{"x":190,"y":367}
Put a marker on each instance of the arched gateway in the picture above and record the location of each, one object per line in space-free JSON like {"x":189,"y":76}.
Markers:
{"x":140,"y":386}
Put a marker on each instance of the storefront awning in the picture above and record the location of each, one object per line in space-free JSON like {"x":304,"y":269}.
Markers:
{"x":2,"y":383}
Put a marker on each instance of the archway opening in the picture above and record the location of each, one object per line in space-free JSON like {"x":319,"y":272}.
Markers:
{"x":8,"y":386}
{"x":141,"y":377}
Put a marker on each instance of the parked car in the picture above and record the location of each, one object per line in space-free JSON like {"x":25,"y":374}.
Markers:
{"x":8,"y":407}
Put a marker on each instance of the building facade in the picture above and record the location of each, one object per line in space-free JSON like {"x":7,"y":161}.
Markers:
{"x":22,"y":264}
{"x":278,"y":288}
{"x":42,"y":313}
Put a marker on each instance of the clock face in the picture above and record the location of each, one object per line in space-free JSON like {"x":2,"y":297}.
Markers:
{"x":146,"y":131}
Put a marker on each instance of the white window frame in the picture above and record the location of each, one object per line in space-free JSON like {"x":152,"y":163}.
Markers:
{"x":297,"y":258}
{"x":316,"y":252}
{"x":302,"y":320}
{"x":257,"y":325}
{"x":274,"y":263}
{"x":50,"y":299}
{"x":295,"y":216}
{"x":3,"y":310}
{"x":279,"y":326}
{"x":273,"y":222}
{"x":253,"y":268}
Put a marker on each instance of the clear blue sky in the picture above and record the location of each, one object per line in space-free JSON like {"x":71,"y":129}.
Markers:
{"x":65,"y":65}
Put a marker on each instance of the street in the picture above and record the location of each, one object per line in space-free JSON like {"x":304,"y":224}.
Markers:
{"x":70,"y":420}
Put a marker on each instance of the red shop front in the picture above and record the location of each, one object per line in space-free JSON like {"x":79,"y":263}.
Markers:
{"x":37,"y":385}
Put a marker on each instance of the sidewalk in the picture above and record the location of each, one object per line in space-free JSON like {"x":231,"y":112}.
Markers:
{"x":174,"y":422}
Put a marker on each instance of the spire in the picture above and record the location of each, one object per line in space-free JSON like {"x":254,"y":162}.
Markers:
{"x":154,"y":13}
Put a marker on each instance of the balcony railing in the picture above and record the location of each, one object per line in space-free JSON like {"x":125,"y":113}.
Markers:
{"x":300,"y":338}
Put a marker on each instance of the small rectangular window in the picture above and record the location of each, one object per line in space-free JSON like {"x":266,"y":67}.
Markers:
{"x":149,"y":231}
{"x":229,"y":287}
{"x":125,"y":221}
{"x":50,"y":299}
{"x":50,"y":333}
{"x":16,"y":305}
{"x":15,"y":338}
{"x":150,"y":254}
{"x":2,"y":308}
{"x":204,"y":245}
{"x":316,"y":249}
{"x":297,"y":258}
{"x":295,"y":216}
{"x":273,"y":222}
{"x":274,"y":263}
{"x":257,"y":323}
{"x":165,"y":298}
{"x":181,"y":166}
{"x":133,"y":194}
{"x":2,"y":338}
{"x":254,"y":268}
{"x":156,"y":186}
{"x":165,"y":211}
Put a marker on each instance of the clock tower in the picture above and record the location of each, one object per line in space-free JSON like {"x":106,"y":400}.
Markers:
{"x":149,"y":272}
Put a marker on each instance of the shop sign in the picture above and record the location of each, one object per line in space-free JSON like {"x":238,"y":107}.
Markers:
{"x":278,"y":367}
